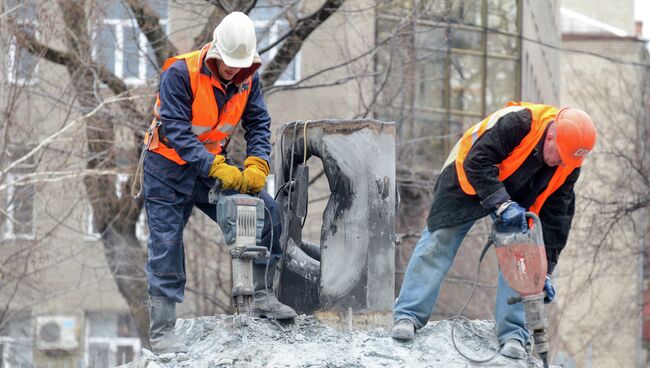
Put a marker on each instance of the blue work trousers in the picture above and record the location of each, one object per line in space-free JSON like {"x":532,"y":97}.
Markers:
{"x":167,"y":213}
{"x":432,"y":257}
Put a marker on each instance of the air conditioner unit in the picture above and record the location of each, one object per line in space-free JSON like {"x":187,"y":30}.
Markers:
{"x":56,"y":333}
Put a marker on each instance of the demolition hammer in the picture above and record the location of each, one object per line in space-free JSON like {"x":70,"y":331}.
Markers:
{"x":522,"y":259}
{"x":241,"y":218}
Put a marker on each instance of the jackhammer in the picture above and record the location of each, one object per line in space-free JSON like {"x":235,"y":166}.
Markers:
{"x":522,"y":260}
{"x":241,"y":218}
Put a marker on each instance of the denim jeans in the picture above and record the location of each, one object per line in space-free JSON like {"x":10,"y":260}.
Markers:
{"x":432,"y":257}
{"x":167,"y":213}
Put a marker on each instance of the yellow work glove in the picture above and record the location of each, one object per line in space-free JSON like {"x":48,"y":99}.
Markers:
{"x":229,"y":175}
{"x":254,"y":175}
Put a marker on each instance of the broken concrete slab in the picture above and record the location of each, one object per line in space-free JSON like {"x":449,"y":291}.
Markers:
{"x":214,"y":342}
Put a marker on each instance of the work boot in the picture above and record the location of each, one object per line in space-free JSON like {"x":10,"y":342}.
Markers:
{"x":404,"y":329}
{"x":265,"y":304}
{"x":162,"y":319}
{"x":514,"y":349}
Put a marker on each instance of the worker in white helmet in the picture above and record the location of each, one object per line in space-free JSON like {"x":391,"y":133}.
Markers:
{"x":203,"y":95}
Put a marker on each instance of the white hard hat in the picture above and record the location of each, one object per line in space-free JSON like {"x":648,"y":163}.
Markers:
{"x":235,"y":40}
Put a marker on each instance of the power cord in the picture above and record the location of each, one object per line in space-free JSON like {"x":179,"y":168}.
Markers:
{"x":304,"y":162}
{"x":293,"y":149}
{"x":283,"y":187}
{"x":304,"y":143}
{"x":471,"y":328}
{"x":287,"y":185}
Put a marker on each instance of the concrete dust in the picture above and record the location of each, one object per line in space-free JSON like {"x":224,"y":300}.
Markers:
{"x":214,"y":342}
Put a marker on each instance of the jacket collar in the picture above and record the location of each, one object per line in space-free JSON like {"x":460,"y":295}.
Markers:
{"x":210,"y":62}
{"x":538,"y":151}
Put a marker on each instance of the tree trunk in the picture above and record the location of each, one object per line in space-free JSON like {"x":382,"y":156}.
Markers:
{"x":127,"y":258}
{"x":114,"y":217}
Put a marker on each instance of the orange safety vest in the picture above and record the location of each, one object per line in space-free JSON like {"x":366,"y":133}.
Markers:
{"x":211,"y":128}
{"x":542,"y":115}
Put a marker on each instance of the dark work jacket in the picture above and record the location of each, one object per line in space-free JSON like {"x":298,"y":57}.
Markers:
{"x":452,"y":207}
{"x":176,"y":116}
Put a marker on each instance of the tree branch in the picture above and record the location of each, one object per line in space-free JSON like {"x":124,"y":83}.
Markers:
{"x":149,"y":23}
{"x":288,"y":33}
{"x":29,"y":42}
{"x":9,"y":11}
{"x":115,"y":84}
{"x":272,"y":89}
{"x":293,"y":43}
{"x":220,"y":10}
{"x":206,"y":33}
{"x":73,"y":123}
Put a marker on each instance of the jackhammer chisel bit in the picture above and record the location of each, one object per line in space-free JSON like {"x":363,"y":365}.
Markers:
{"x":241,"y":218}
{"x":522,"y":261}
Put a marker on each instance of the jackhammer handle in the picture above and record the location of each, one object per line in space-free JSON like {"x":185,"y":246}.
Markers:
{"x":217,"y":185}
{"x":215,"y":192}
{"x":254,"y":252}
{"x":533,"y":216}
{"x":514,"y":300}
{"x":529,"y":215}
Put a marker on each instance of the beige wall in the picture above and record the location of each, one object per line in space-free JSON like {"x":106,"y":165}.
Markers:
{"x":599,"y":275}
{"x":540,"y":80}
{"x":68,"y":271}
{"x":344,"y":36}
{"x":614,"y":13}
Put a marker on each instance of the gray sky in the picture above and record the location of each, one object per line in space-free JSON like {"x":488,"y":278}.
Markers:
{"x":642,"y":12}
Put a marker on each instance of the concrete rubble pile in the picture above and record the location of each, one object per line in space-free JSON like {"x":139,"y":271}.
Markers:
{"x":351,"y":268}
{"x":214,"y":342}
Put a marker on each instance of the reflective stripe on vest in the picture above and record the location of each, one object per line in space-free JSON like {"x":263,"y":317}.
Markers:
{"x":542,"y":115}
{"x":211,"y":128}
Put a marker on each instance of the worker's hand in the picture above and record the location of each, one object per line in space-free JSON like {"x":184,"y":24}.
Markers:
{"x":229,"y":175}
{"x":254,"y":175}
{"x":550,"y":290}
{"x":512,"y":217}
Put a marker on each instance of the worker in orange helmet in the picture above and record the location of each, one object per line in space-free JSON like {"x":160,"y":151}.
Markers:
{"x":524,"y":157}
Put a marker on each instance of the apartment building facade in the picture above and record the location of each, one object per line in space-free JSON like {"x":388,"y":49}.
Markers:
{"x":435,"y":74}
{"x":604,"y":71}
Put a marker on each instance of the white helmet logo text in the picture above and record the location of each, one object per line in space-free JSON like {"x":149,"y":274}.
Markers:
{"x":581,"y":152}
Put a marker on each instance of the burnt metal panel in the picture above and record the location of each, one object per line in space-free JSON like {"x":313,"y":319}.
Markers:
{"x":358,"y":235}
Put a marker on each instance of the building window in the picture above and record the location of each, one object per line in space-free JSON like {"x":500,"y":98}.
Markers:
{"x":120,"y":44}
{"x":271,"y":24}
{"x":91,"y":232}
{"x":19,"y":195}
{"x":444,"y":71}
{"x":16,"y":341}
{"x":22,"y":66}
{"x":141,"y":228}
{"x":111,"y":340}
{"x":20,"y":209}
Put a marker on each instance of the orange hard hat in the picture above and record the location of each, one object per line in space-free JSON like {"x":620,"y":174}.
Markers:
{"x":576,"y":135}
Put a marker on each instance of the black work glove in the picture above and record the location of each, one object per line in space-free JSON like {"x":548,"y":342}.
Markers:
{"x":511,"y":217}
{"x":550,"y":290}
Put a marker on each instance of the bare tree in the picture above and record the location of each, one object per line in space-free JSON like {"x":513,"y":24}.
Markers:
{"x":115,"y":216}
{"x":604,"y":267}
{"x":408,"y":73}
